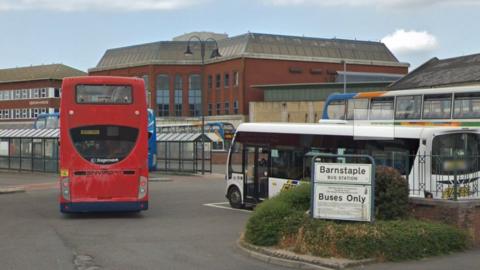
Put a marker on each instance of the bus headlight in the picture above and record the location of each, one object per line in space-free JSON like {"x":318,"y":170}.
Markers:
{"x":142,"y":187}
{"x":65,"y":188}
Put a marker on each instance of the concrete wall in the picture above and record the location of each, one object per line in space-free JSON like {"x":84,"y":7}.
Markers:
{"x":293,"y":112}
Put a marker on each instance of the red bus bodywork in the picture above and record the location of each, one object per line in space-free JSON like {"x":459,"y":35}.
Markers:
{"x":117,"y":184}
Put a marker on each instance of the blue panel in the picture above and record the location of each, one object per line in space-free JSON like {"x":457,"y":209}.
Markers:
{"x":86,"y":207}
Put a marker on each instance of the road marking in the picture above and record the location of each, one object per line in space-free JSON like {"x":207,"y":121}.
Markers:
{"x":226,"y":205}
{"x":39,"y":186}
{"x":160,"y":179}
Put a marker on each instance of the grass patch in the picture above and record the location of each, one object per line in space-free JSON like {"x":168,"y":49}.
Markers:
{"x":283,"y":222}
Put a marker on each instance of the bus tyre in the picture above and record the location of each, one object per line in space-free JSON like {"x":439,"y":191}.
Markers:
{"x":235,"y":198}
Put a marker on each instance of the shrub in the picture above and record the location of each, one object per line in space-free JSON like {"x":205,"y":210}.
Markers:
{"x":278,"y":216}
{"x":391,"y":194}
{"x":387,"y":240}
{"x":282,"y":221}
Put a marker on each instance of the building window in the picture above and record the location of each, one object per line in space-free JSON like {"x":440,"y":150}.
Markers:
{"x":24,"y":93}
{"x":1,"y":114}
{"x":148,"y":92}
{"x":18,"y":94}
{"x":210,"y":109}
{"x":24,"y":113}
{"x":43,"y":93}
{"x":235,"y":107}
{"x":57,"y":92}
{"x":226,"y":80}
{"x":6,"y":114}
{"x":18,"y":113}
{"x":36,"y":93}
{"x":178,"y":95}
{"x":194,"y":95}
{"x":6,"y":95}
{"x":217,"y":81}
{"x":235,"y":78}
{"x":163,"y":95}
{"x":226,"y":107}
{"x":210,"y":81}
{"x":219,"y":108}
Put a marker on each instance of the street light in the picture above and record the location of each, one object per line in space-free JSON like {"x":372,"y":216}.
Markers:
{"x":215,"y":54}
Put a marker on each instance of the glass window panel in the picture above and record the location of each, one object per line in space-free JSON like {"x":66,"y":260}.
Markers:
{"x":408,"y":107}
{"x":437,"y":106}
{"x":226,"y":79}
{"x":336,"y":110}
{"x":194,"y":95}
{"x":163,"y":95}
{"x":104,"y":94}
{"x":357,"y":109}
{"x":381,"y":109}
{"x":467,"y":105}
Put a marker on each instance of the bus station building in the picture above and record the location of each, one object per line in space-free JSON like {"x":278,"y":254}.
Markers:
{"x":178,"y":84}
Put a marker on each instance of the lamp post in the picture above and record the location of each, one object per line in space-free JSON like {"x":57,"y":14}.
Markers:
{"x":215,"y":53}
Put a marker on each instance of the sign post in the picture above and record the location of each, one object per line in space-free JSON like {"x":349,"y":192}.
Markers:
{"x":343,"y":191}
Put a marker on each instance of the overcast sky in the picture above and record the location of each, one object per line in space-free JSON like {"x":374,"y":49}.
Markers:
{"x":77,"y":32}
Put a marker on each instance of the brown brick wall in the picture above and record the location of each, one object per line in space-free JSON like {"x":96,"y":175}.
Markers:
{"x":251,"y":72}
{"x":462,"y":214}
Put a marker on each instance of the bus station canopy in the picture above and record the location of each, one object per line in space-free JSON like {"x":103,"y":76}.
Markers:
{"x":187,"y":137}
{"x":29,"y":133}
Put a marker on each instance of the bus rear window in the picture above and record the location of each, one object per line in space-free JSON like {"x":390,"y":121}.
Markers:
{"x":104,"y":144}
{"x":103,"y":94}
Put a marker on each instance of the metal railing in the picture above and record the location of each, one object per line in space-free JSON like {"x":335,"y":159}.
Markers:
{"x":434,"y":176}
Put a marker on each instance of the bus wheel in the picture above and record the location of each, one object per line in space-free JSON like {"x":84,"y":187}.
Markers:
{"x":235,"y":198}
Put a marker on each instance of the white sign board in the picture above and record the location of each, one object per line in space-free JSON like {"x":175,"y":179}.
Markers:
{"x":342,"y":191}
{"x":340,"y":173}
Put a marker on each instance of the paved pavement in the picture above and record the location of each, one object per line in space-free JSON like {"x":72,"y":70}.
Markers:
{"x":178,"y":232}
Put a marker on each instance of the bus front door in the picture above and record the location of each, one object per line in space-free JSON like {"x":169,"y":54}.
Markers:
{"x":256,"y":173}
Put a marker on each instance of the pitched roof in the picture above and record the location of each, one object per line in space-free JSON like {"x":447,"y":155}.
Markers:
{"x":435,"y":72}
{"x":42,"y":72}
{"x":252,"y":45}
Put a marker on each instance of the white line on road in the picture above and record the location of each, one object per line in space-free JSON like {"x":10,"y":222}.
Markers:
{"x":225,"y":205}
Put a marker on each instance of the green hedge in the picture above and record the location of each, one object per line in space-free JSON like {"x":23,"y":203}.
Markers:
{"x":283,"y":221}
{"x":391,"y":194}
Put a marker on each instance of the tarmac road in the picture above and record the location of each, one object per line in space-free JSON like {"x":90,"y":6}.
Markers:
{"x":177,"y":232}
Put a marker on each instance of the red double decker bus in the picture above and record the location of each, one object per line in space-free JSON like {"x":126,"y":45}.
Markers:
{"x":103,"y":145}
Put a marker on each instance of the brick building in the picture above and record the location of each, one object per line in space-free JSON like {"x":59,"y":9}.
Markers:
{"x":26,"y":92}
{"x":176,"y":83}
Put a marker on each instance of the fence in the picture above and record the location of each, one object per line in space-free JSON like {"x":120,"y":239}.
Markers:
{"x":29,"y":150}
{"x":434,"y":176}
